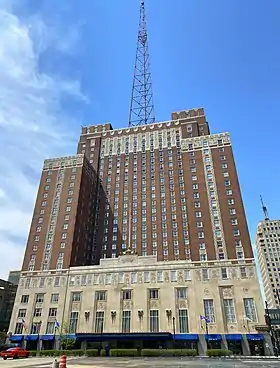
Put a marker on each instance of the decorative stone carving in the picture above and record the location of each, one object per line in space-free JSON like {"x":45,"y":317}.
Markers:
{"x":215,"y":274}
{"x":180,"y":276}
{"x":76,"y":306}
{"x":197,"y":275}
{"x":251,"y":272}
{"x":153,"y":304}
{"x":62,"y":281}
{"x":49,"y":281}
{"x":153,"y":278}
{"x":233,"y":273}
{"x":114,"y":279}
{"x":89,"y":280}
{"x":182,"y":304}
{"x":126,"y":279}
{"x":78,"y":280}
{"x":227,"y":292}
{"x":127,"y":304}
{"x":245,"y":290}
{"x":140,"y":277}
{"x":206,"y":291}
{"x":100,"y":305}
{"x":35,"y":282}
{"x":166,"y":276}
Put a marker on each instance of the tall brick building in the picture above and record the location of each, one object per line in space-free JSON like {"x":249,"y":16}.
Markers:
{"x":168,"y":189}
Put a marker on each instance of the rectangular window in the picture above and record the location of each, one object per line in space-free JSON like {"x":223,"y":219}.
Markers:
{"x":160,"y":276}
{"x":154,"y":293}
{"x":187,"y":275}
{"x":76,"y":297}
{"x":35,"y":328}
{"x":50,"y":328}
{"x":250,"y":309}
{"x":173,"y":276}
{"x":52,"y":312}
{"x":73,"y":322}
{"x":54,"y":298}
{"x":224,"y":273}
{"x":209,"y":310}
{"x":21,"y":313}
{"x":205,"y":274}
{"x":37,"y":312}
{"x":126,"y":318}
{"x":99,"y":322}
{"x":24,"y":299}
{"x":243,"y":272}
{"x":154,"y":320}
{"x":183,"y":321}
{"x":229,"y":310}
{"x":100,"y":295}
{"x":18,"y":328}
{"x":181,"y":293}
{"x":126,"y":295}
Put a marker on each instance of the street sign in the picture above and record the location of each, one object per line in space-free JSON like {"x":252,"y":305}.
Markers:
{"x":274,"y":315}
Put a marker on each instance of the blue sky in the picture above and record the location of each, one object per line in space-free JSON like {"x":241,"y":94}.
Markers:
{"x":69,"y":63}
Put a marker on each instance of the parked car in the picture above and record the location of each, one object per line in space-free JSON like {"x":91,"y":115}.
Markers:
{"x":14,"y":353}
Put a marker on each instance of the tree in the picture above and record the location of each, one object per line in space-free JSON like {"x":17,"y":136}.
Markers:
{"x":66,"y":342}
{"x":3,"y":337}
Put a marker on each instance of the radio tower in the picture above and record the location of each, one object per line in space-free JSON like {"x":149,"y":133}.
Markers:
{"x":142,"y":106}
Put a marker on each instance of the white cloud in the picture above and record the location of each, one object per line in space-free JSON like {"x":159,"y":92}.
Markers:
{"x":32,"y":126}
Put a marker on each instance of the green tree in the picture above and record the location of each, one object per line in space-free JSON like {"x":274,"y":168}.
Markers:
{"x":66,"y":342}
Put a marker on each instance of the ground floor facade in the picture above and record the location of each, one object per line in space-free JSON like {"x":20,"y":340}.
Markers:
{"x":239,"y":344}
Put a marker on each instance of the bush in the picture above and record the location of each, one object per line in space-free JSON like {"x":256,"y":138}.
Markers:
{"x":219,"y":352}
{"x":124,"y":352}
{"x":168,"y":352}
{"x":33,"y":353}
{"x":91,"y":352}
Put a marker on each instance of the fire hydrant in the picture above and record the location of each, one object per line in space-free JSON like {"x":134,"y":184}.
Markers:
{"x":62,"y":361}
{"x":55,"y":364}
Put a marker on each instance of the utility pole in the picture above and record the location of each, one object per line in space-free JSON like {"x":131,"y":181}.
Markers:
{"x":142,"y":105}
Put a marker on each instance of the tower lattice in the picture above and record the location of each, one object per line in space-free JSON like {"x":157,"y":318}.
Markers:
{"x":142,"y":105}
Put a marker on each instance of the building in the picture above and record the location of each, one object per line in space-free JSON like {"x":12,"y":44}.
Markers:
{"x":167,"y":194}
{"x":14,"y":277}
{"x":131,"y":295}
{"x":181,"y":184}
{"x":7,"y":298}
{"x":62,"y":225}
{"x":268,"y":247}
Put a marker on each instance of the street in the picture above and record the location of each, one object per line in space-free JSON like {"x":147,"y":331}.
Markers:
{"x":141,"y":363}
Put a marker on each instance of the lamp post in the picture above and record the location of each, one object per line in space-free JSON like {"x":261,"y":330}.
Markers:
{"x":271,"y":331}
{"x":174,"y":331}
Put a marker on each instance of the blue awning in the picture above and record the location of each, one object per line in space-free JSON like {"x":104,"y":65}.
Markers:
{"x":31,"y":337}
{"x":47,"y":337}
{"x":216,"y":337}
{"x":15,"y":338}
{"x":182,"y":336}
{"x":124,"y":336}
{"x":256,"y":337}
{"x":233,"y":337}
{"x":68,"y":336}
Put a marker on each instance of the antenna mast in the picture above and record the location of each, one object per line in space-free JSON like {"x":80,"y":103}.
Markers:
{"x":266,"y":217}
{"x":142,"y":105}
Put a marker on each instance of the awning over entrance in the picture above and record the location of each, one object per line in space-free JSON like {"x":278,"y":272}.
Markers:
{"x":255,"y":337}
{"x":124,"y":336}
{"x":192,"y":337}
{"x":233,"y":337}
{"x":16,"y":338}
{"x":47,"y":337}
{"x":31,"y":337}
{"x":213,"y":337}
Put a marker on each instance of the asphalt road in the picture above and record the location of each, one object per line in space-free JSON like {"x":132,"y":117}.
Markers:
{"x":141,"y":363}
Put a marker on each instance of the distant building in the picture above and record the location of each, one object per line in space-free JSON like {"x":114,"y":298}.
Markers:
{"x":268,"y":247}
{"x":14,"y":277}
{"x":7,"y":298}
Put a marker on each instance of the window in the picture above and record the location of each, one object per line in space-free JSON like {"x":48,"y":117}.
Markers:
{"x":227,"y":183}
{"x":250,"y":309}
{"x":50,"y":328}
{"x":154,"y":320}
{"x":126,"y":295}
{"x":100,"y":295}
{"x":236,"y":232}
{"x":52,"y":312}
{"x":133,"y":277}
{"x":24,"y":299}
{"x":181,"y":293}
{"x":146,"y":276}
{"x":37,"y":312}
{"x":183,"y":321}
{"x":73,"y":322}
{"x":126,"y":318}
{"x":230,"y":201}
{"x":222,"y":158}
{"x":224,"y":273}
{"x":173,"y":276}
{"x":21,"y":313}
{"x":39,"y":298}
{"x":54,"y":298}
{"x":43,"y":204}
{"x":205,"y":274}
{"x":209,"y":312}
{"x":187,"y":275}
{"x":154,"y":293}
{"x":228,"y":192}
{"x":18,"y":328}
{"x":243,"y":272}
{"x":99,"y":322}
{"x":160,"y":276}
{"x":76,"y":297}
{"x":35,"y":328}
{"x":229,"y":310}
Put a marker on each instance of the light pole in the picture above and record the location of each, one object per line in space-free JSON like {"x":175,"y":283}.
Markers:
{"x":174,"y":331}
{"x":248,"y":320}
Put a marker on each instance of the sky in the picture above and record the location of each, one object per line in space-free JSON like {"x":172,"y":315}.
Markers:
{"x":68,"y":63}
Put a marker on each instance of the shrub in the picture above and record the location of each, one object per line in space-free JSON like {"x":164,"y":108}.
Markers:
{"x":33,"y":353}
{"x":91,"y":352}
{"x":218,"y":352}
{"x":168,"y":352}
{"x":124,"y":352}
